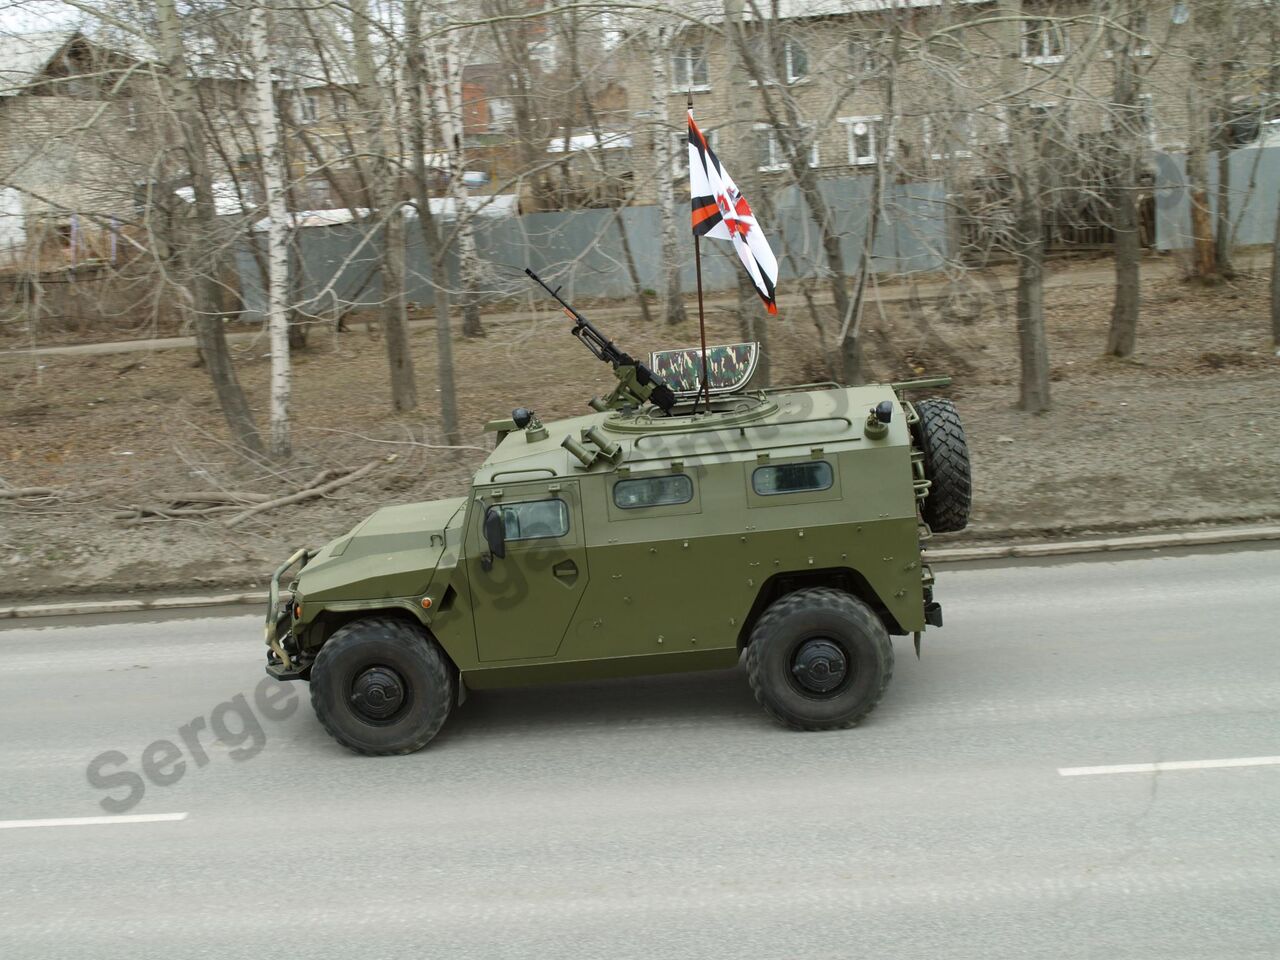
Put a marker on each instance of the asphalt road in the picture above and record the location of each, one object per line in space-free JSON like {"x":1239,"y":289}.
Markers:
{"x":669,"y":818}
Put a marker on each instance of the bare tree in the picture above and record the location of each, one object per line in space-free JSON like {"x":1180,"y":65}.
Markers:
{"x":570,"y":30}
{"x":1125,"y":164}
{"x":447,"y":88}
{"x":374,"y":105}
{"x":1275,"y":283}
{"x":199,"y":244}
{"x":416,"y":82}
{"x":1026,"y":172}
{"x":1204,"y":257}
{"x":741,"y":154}
{"x":275,"y":180}
{"x":659,"y":93}
{"x":767,"y":66}
{"x":1224,"y":25}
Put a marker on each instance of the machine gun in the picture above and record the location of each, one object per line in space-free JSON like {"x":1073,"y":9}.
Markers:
{"x":636,"y":382}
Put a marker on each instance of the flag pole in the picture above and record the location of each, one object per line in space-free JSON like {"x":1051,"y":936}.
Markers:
{"x":702,"y":323}
{"x":702,"y":326}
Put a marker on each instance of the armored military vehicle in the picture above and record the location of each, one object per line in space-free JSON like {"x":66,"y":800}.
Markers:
{"x":677,"y":526}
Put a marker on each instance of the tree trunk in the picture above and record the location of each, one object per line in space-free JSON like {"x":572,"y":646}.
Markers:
{"x":787,"y":124}
{"x":449,"y":116}
{"x":851,"y":353}
{"x":1204,"y":260}
{"x":1028,"y":235}
{"x":752,"y":320}
{"x":386,"y":195}
{"x":672,"y":255}
{"x":1225,"y":88}
{"x":1275,"y":284}
{"x":593,"y":125}
{"x":198,"y":248}
{"x":416,"y":82}
{"x":1123,"y":334}
{"x":277,"y":229}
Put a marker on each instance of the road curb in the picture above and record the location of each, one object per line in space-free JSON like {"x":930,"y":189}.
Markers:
{"x":943,"y":555}
{"x":1153,"y":541}
{"x":92,"y":607}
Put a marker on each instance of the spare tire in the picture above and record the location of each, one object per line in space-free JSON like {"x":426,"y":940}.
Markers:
{"x":946,"y":465}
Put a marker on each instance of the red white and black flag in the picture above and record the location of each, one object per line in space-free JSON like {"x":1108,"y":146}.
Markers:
{"x":722,"y":212}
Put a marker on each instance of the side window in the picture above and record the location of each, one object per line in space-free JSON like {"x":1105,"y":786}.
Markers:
{"x":534,"y":519}
{"x":652,"y":491}
{"x":792,"y":478}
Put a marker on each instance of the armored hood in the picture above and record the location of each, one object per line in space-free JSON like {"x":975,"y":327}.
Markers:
{"x":391,"y":554}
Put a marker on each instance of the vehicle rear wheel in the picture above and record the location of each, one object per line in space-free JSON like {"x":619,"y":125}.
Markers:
{"x":819,"y":659}
{"x":946,"y":464}
{"x":382,"y":686}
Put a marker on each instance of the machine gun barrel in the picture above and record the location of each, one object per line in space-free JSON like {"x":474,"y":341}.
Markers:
{"x":646,"y":386}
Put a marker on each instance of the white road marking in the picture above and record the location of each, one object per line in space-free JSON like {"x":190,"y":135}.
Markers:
{"x":1170,"y":765}
{"x":92,"y":821}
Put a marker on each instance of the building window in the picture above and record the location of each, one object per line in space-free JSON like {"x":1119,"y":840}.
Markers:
{"x":792,"y":478}
{"x":795,"y":59}
{"x":534,"y":519}
{"x":689,"y":69}
{"x":1143,"y":119}
{"x":952,"y":136}
{"x":680,"y":148}
{"x":866,"y":56}
{"x":1135,"y":31}
{"x":772,"y":155}
{"x":341,"y":105}
{"x":1043,"y":41}
{"x":318,"y":197}
{"x":306,"y":110}
{"x":1147,"y":118}
{"x":131,"y":115}
{"x":864,"y":135}
{"x":652,"y":492}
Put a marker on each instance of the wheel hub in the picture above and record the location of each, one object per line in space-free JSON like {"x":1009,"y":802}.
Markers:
{"x":378,"y":693}
{"x":820,"y":666}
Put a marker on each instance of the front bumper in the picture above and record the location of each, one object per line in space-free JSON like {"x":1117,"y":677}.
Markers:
{"x":282,"y":649}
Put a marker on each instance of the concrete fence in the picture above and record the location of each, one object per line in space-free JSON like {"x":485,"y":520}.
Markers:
{"x":581,"y":249}
{"x":336,"y":266}
{"x":1255,"y":187}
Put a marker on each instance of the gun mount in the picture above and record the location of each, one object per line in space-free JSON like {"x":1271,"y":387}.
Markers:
{"x":637,"y":384}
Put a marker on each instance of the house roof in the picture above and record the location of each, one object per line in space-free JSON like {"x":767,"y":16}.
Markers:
{"x":713,"y":10}
{"x":24,"y":56}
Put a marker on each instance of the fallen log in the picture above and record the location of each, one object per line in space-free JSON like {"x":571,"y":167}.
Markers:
{"x":25,"y":493}
{"x":308,"y":493}
{"x":217,"y":496}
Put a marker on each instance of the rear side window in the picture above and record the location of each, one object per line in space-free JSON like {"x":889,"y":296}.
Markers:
{"x":535,"y":519}
{"x":792,"y":478}
{"x":652,"y":491}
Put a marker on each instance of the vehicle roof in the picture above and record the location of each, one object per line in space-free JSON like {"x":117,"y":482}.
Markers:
{"x":780,"y":421}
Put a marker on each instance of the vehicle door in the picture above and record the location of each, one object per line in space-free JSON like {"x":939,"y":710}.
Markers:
{"x":523,"y":602}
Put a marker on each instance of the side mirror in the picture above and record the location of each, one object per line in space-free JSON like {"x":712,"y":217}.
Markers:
{"x":495,"y":534}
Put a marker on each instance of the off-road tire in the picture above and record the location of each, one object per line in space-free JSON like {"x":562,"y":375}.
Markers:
{"x":428,"y":680}
{"x":946,"y":464}
{"x":819,"y":613}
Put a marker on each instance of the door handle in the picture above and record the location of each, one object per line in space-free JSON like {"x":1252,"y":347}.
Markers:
{"x":565,"y":570}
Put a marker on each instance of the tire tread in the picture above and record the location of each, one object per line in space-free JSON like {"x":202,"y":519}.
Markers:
{"x":830,"y":597}
{"x":418,"y":642}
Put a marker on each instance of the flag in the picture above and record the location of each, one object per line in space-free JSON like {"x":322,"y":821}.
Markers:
{"x":722,"y":212}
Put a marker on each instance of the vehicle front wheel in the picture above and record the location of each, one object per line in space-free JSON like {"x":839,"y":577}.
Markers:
{"x":819,"y":659}
{"x":382,"y":686}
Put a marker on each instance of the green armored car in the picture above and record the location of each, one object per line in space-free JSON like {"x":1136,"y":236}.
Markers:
{"x":682,"y":525}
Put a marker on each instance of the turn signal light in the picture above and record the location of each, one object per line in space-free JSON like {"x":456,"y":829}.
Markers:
{"x":426,"y":603}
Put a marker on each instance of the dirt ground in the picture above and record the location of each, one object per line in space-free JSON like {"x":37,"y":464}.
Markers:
{"x":1187,"y":433}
